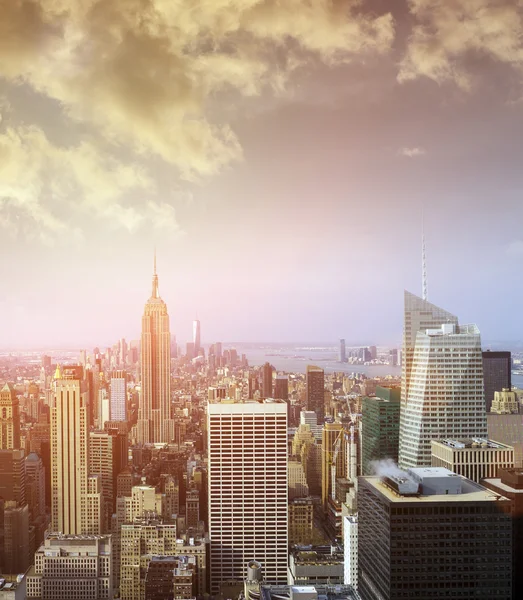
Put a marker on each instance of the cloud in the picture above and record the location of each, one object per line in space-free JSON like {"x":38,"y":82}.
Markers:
{"x":412,"y":152}
{"x":515,"y":248}
{"x":144,"y":71}
{"x":448,"y":32}
{"x":47,"y":191}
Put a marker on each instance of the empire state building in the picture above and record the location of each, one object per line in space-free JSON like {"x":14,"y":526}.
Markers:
{"x":154,"y":416}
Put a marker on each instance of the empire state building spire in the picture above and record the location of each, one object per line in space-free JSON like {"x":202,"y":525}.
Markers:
{"x":155,"y":293}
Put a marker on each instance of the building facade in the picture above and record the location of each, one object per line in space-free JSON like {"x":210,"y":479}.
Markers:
{"x":9,"y":418}
{"x":497,"y":374}
{"x":428,"y":533}
{"x":315,"y":387}
{"x":380,"y":427}
{"x":76,"y":567}
{"x":69,"y":454}
{"x":474,"y":459}
{"x":445,"y":392}
{"x":248,"y":516}
{"x":155,"y":424}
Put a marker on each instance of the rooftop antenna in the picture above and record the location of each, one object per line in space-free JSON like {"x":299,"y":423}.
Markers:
{"x":155,"y":278}
{"x":423,"y":259}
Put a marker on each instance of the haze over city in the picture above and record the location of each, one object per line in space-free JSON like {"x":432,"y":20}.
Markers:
{"x":279,"y":165}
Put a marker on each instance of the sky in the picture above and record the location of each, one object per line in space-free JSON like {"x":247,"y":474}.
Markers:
{"x":278,"y":156}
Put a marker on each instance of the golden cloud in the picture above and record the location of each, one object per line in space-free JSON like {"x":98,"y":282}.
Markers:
{"x":448,"y":31}
{"x":143,"y":72}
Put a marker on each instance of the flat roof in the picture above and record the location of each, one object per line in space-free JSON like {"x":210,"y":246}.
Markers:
{"x":472,"y":443}
{"x":471,"y":492}
{"x":503,"y":486}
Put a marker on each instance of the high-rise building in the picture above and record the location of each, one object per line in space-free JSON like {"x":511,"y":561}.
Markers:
{"x":334,"y":459}
{"x":69,"y":454}
{"x":68,"y":567}
{"x":118,"y":396}
{"x":443,"y":375}
{"x":301,"y":521}
{"x":419,"y":315}
{"x":154,"y":419}
{"x":266,"y":375}
{"x":350,"y":550}
{"x":315,"y":382}
{"x":505,"y":403}
{"x":380,"y":422}
{"x":474,"y":459}
{"x":419,"y":537}
{"x":342,"y":357}
{"x":16,"y":550}
{"x":196,"y":337}
{"x":281,"y":387}
{"x":35,"y":485}
{"x":497,"y":374}
{"x":140,"y":541}
{"x":9,"y":418}
{"x":107,"y":458}
{"x":247,"y":489}
{"x":509,"y":483}
{"x":12,"y":476}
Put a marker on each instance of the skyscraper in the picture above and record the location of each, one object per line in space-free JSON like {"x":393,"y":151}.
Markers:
{"x":9,"y":418}
{"x":342,"y":356}
{"x":419,"y":538}
{"x":315,"y":379}
{"x":118,"y":396}
{"x":444,"y":397}
{"x":196,"y":336}
{"x":266,"y":375}
{"x":380,"y":424}
{"x":154,"y":419}
{"x":497,"y":374}
{"x":247,"y":489}
{"x":419,"y":315}
{"x":69,"y":453}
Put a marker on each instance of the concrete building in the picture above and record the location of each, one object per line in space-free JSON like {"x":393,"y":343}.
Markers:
{"x":70,"y":454}
{"x":334,"y":459}
{"x":509,"y":483}
{"x":154,"y":414}
{"x":281,"y":387}
{"x":301,"y":521}
{"x":508,"y":430}
{"x":418,"y":537}
{"x":107,"y":457}
{"x":12,"y":476}
{"x":118,"y":396}
{"x":318,"y":565}
{"x":350,"y":550}
{"x":298,"y":487}
{"x":9,"y":418}
{"x":72,"y":567}
{"x":170,"y":577}
{"x":497,"y":374}
{"x":474,"y":459}
{"x":139,"y":542}
{"x":380,"y":427}
{"x":505,"y":403}
{"x":342,"y":356}
{"x":16,"y":551}
{"x":248,"y":510}
{"x":315,"y":389}
{"x":445,"y":394}
{"x":266,"y":380}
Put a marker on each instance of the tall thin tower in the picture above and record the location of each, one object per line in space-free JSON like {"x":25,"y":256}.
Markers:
{"x":154,"y":416}
{"x":69,"y":453}
{"x":196,"y":336}
{"x":424,"y":282}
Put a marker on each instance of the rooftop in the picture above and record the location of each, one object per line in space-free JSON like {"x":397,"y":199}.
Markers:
{"x":460,"y":444}
{"x":470,"y":492}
